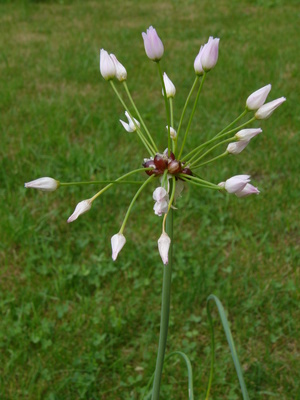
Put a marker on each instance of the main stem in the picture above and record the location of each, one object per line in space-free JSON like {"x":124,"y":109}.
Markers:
{"x":165,"y":312}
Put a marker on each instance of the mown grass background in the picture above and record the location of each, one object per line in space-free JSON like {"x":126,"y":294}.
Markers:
{"x":75,"y":325}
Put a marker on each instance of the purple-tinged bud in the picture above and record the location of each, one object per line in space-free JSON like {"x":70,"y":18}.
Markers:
{"x":197,"y":63}
{"x":236,"y":183}
{"x":265,"y":111}
{"x":107,"y":66}
{"x":117,"y":243}
{"x":121,"y":73}
{"x":248,"y":189}
{"x":153,"y":45}
{"x":170,"y":88}
{"x":161,"y":162}
{"x":237,"y":147}
{"x":210,"y":53}
{"x":247,"y":134}
{"x":45,"y":184}
{"x":149,"y":163}
{"x":163,"y":247}
{"x":174,"y":167}
{"x":187,"y":171}
{"x":257,"y":99}
{"x":81,"y":208}
{"x":161,"y":207}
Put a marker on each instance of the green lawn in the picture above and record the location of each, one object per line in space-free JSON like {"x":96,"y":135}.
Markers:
{"x":75,"y":325}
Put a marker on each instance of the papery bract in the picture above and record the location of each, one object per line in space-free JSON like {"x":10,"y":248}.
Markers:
{"x":45,"y":184}
{"x":121,"y":73}
{"x":163,"y":247}
{"x":153,"y":45}
{"x":81,"y":208}
{"x":117,"y":243}
{"x":265,"y":111}
{"x":257,"y":99}
{"x":107,"y":66}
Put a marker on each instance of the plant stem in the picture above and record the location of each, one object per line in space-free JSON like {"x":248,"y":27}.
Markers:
{"x":165,"y":311}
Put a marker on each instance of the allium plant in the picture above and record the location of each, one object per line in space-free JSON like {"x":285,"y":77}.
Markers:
{"x":169,"y":170}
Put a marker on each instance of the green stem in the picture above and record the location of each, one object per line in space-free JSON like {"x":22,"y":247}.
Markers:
{"x":139,"y":116}
{"x":98,"y":183}
{"x":208,"y":151}
{"x":211,"y":160}
{"x":232,"y":123}
{"x":166,"y":106}
{"x":184,"y":110}
{"x":165,"y":311}
{"x":191,"y":116}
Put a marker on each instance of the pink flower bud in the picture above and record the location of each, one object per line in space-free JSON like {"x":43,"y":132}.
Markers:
{"x":163,"y":247}
{"x":159,"y":194}
{"x":170,"y":88}
{"x":117,"y":243}
{"x":236,"y":183}
{"x":210,"y":53}
{"x":248,"y":189}
{"x":197,"y":63}
{"x":121,"y":73}
{"x":107,"y":66}
{"x":153,"y":45}
{"x":257,"y":99}
{"x":265,"y":111}
{"x":237,"y":147}
{"x":45,"y":184}
{"x":161,"y":207}
{"x":81,"y":208}
{"x":247,"y":134}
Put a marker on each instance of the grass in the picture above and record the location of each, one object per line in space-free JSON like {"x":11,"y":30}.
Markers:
{"x":75,"y":325}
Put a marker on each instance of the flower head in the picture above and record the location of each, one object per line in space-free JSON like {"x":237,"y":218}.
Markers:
{"x":257,"y":99}
{"x":153,"y":45}
{"x":121,"y":73}
{"x":81,"y":208}
{"x":107,"y":66}
{"x":163,"y":247}
{"x":170,"y":88}
{"x":131,"y":126}
{"x":117,"y":243}
{"x":45,"y":184}
{"x":265,"y":111}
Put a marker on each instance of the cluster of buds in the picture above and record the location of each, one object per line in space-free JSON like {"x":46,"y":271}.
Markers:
{"x":173,"y":168}
{"x":164,"y":162}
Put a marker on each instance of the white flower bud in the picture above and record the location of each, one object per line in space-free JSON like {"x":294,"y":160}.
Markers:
{"x":45,"y":184}
{"x":131,"y":126}
{"x":237,"y":147}
{"x":163,"y":247}
{"x":81,"y":208}
{"x":210,"y":53}
{"x":236,"y":183}
{"x":247,"y":134}
{"x":170,"y":88}
{"x":107,"y":66}
{"x":121,"y":73}
{"x":153,"y":45}
{"x":257,"y":99}
{"x":265,"y":111}
{"x":117,"y":243}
